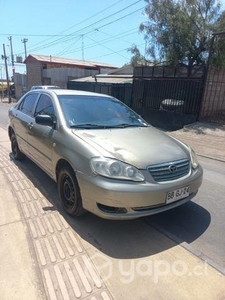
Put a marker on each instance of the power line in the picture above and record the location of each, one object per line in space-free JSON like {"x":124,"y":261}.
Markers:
{"x":32,"y":35}
{"x":107,"y":54}
{"x":67,"y":48}
{"x":107,"y":48}
{"x":117,"y":37}
{"x":122,"y":17}
{"x":72,"y":35}
{"x":109,"y":39}
{"x":87,"y":19}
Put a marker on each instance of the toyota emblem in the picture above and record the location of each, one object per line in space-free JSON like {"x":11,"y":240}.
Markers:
{"x":173,"y":169}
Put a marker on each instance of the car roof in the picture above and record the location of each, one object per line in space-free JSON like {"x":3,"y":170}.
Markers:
{"x":44,"y":87}
{"x":69,"y":92}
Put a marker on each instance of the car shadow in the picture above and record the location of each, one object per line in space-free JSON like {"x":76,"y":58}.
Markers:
{"x":123,"y":239}
{"x":184,"y":223}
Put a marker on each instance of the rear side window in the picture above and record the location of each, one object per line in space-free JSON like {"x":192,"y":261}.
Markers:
{"x":28,"y":104}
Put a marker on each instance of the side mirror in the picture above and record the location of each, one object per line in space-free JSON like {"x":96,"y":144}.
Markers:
{"x":45,"y":120}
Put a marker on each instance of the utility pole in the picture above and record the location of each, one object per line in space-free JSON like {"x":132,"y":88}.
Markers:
{"x":1,"y":84}
{"x":11,"y":47}
{"x":24,"y":41}
{"x":7,"y":74}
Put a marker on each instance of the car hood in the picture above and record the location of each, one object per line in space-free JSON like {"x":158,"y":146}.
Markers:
{"x":139,"y":146}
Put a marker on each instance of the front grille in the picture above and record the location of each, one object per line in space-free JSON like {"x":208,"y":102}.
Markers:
{"x":170,"y":171}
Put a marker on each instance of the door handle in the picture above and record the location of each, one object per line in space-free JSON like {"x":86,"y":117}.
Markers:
{"x":30,"y":125}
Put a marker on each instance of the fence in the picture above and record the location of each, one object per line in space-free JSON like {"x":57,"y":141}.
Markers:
{"x":171,"y":97}
{"x":121,"y":91}
{"x":213,"y":104}
{"x":168,"y":97}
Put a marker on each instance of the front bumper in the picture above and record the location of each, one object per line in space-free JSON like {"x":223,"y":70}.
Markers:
{"x":113,"y":199}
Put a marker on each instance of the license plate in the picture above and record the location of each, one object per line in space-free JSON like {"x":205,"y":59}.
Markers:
{"x":177,"y":194}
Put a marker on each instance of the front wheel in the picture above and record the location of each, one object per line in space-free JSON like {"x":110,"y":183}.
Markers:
{"x":69,"y":192}
{"x":17,"y":154}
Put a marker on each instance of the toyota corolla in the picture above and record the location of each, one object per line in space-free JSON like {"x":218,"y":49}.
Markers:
{"x":104,"y":157}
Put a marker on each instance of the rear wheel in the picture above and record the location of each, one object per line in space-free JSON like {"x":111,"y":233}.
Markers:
{"x":17,"y":154}
{"x":69,"y":192}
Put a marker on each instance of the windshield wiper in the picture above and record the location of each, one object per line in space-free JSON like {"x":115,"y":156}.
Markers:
{"x":125,"y":125}
{"x":95,"y":126}
{"x":90,"y":126}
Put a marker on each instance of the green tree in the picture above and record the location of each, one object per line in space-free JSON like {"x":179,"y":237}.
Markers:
{"x":137,"y":58}
{"x":179,"y":31}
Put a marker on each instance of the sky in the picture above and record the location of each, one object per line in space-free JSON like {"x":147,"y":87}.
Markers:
{"x":91,"y":30}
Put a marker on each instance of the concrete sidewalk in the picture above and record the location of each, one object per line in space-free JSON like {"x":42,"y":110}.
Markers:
{"x":43,"y":257}
{"x":206,"y":139}
{"x":19,"y":275}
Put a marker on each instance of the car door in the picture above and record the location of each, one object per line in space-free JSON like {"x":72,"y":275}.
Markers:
{"x":23,"y":115}
{"x":40,"y":137}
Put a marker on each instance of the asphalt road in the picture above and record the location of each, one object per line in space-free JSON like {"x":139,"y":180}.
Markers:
{"x":198,"y":225}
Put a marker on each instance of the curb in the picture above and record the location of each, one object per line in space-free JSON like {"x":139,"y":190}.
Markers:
{"x":191,"y":249}
{"x":211,"y":157}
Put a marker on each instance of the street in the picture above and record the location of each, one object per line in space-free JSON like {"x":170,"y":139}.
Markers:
{"x":156,"y":246}
{"x":200,"y":222}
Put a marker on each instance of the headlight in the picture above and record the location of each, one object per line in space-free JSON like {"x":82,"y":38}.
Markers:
{"x":194,"y":160}
{"x":115,"y":169}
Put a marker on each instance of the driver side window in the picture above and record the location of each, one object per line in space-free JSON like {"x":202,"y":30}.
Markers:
{"x":45,"y":106}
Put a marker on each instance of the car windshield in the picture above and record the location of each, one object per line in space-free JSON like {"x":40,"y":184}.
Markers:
{"x":94,"y":112}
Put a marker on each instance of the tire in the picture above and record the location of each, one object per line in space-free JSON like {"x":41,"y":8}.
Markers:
{"x":69,"y":192}
{"x":17,"y":154}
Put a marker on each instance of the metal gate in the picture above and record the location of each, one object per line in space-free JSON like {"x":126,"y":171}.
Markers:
{"x":168,"y":97}
{"x":213,"y":104}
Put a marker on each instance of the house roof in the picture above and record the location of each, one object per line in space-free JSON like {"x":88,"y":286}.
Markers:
{"x":104,"y":78}
{"x":120,"y":75}
{"x":125,"y":70}
{"x":68,"y":61}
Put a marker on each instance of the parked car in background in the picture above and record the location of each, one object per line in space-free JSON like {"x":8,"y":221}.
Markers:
{"x":4,"y":88}
{"x":104,"y":157}
{"x":45,"y":87}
